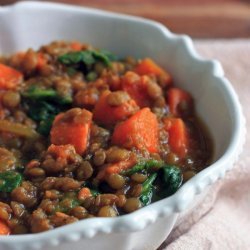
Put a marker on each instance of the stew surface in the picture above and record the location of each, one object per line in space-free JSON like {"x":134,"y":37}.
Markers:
{"x":84,"y":133}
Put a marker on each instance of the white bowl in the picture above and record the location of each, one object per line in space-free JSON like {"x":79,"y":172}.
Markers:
{"x":31,"y":24}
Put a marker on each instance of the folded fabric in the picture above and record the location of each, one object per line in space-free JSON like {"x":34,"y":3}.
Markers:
{"x":222,"y":220}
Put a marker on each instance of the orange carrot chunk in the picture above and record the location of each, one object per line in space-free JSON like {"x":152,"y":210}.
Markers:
{"x":147,"y":66}
{"x":9,"y":77}
{"x":62,"y":151}
{"x":178,"y":136}
{"x":76,"y":46}
{"x":62,"y":215}
{"x":4,"y":229}
{"x":41,"y":60}
{"x":136,"y":87}
{"x":180,"y":102}
{"x":116,"y":168}
{"x":84,"y":193}
{"x":139,"y":131}
{"x":73,"y":129}
{"x":106,"y":114}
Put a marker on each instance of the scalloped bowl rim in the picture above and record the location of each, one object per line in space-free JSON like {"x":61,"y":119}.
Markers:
{"x":165,"y":207}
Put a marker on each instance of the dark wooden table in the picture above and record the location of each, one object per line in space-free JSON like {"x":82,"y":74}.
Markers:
{"x":198,"y":18}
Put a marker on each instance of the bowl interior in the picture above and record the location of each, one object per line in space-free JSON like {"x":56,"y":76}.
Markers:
{"x":31,"y":27}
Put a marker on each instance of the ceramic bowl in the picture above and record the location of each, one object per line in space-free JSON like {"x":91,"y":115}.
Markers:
{"x":31,"y":24}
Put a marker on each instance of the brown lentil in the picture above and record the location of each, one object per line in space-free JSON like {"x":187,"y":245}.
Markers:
{"x":60,"y":183}
{"x":154,"y":90}
{"x":25,"y":194}
{"x":52,"y":194}
{"x":63,"y":86}
{"x":117,"y":98}
{"x":79,"y":212}
{"x":115,"y":154}
{"x":39,"y":221}
{"x":88,"y":202}
{"x":48,"y":206}
{"x":139,"y":178}
{"x":7,"y":160}
{"x":46,"y":70}
{"x":99,"y":157}
{"x":132,"y":204}
{"x":11,"y":99}
{"x":121,"y":200}
{"x":29,"y":62}
{"x":107,"y":211}
{"x":18,"y":209}
{"x":172,"y":158}
{"x":116,"y":181}
{"x":5,"y":211}
{"x":35,"y":173}
{"x":86,"y":98}
{"x":105,"y":199}
{"x":84,"y":171}
{"x":136,"y":190}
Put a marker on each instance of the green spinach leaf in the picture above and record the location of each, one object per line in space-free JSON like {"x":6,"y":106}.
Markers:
{"x":9,"y":180}
{"x":43,"y":105}
{"x":147,"y":189}
{"x":171,"y":179}
{"x":144,"y":166}
{"x":85,"y":61}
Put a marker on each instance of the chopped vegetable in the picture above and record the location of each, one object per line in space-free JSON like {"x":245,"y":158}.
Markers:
{"x":94,"y":192}
{"x":136,"y":87}
{"x":147,"y":66}
{"x":35,"y":93}
{"x":171,"y":178}
{"x":86,"y":57}
{"x":17,"y":129}
{"x":85,"y":60}
{"x":147,"y":165}
{"x":84,"y":193}
{"x":45,"y":125}
{"x":76,"y":46}
{"x":147,"y":189}
{"x":116,"y":168}
{"x":66,"y":204}
{"x":4,"y":229}
{"x":92,"y":188}
{"x":139,"y":131}
{"x":62,"y":215}
{"x":178,"y":136}
{"x":102,"y":56}
{"x":43,"y":105}
{"x":9,"y":77}
{"x":179,"y":101}
{"x":61,"y":151}
{"x":9,"y":180}
{"x":75,"y":132}
{"x":106,"y":114}
{"x":41,"y":60}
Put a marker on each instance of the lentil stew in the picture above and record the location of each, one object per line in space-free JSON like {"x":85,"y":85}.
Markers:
{"x":84,"y":133}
